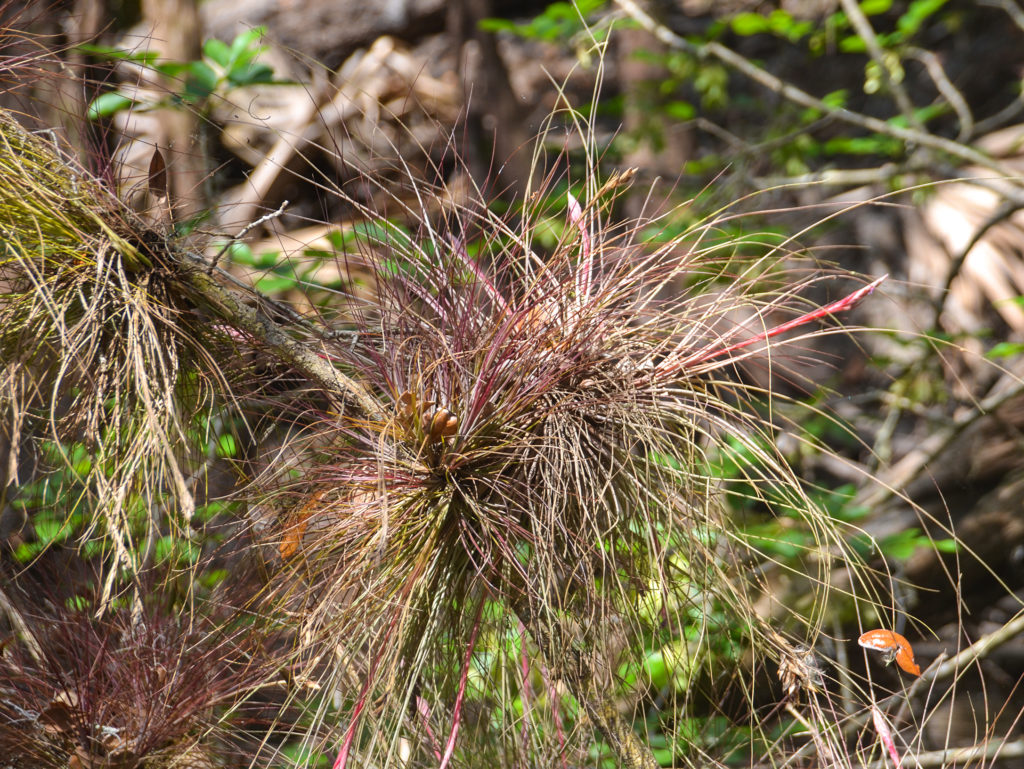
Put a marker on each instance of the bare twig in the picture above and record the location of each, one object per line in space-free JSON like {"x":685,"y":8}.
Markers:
{"x":947,"y":89}
{"x":913,"y":464}
{"x":1003,"y":117}
{"x":977,"y":650}
{"x":1012,"y":8}
{"x":994,"y":749}
{"x":244,"y":231}
{"x":20,"y":627}
{"x":230,"y":306}
{"x":841,"y":177}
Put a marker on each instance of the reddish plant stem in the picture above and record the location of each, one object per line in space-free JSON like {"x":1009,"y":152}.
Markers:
{"x":470,"y":647}
{"x":350,"y":733}
{"x":673,"y":364}
{"x":885,"y":735}
{"x":423,"y":709}
{"x":346,"y":745}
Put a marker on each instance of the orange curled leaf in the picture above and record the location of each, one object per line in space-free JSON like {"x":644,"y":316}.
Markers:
{"x":894,"y":646}
{"x":295,"y":529}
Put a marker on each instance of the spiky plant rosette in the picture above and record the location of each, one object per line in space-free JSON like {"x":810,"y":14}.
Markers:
{"x":152,"y":690}
{"x":533,"y":483}
{"x":102,"y":345}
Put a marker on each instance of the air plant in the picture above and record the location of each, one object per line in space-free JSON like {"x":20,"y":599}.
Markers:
{"x":532,"y":481}
{"x":125,"y":690}
{"x":512,"y":475}
{"x":103,"y":347}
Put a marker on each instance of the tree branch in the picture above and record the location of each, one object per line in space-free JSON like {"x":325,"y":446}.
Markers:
{"x":230,"y":306}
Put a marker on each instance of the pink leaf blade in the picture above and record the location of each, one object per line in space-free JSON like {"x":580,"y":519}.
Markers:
{"x":848,"y":302}
{"x":585,"y":269}
{"x":885,"y":735}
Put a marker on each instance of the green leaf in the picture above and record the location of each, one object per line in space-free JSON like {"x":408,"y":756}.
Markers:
{"x":217,"y":51}
{"x":836,"y":99}
{"x":853,"y":44}
{"x":26,"y":551}
{"x":749,"y":24}
{"x":784,"y":25}
{"x":1005,"y":350}
{"x":200,"y":82}
{"x":875,"y":7}
{"x":206,"y":512}
{"x":251,"y":74}
{"x":910,"y":22}
{"x":117,"y":54}
{"x":680,"y":110}
{"x":173,"y":69}
{"x":274,"y":284}
{"x":497,"y":25}
{"x":227,"y":446}
{"x":78,"y":603}
{"x":559,"y":21}
{"x":240,"y":253}
{"x":48,"y":530}
{"x":901,"y":546}
{"x":863,"y":145}
{"x":107,"y":104}
{"x":243,"y":41}
{"x":923,"y":114}
{"x":213,"y":578}
{"x":341,"y":238}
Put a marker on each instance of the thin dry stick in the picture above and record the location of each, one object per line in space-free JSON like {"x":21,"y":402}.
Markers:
{"x":1013,"y":10}
{"x":976,"y":651}
{"x":245,"y":231}
{"x":958,"y":756}
{"x":946,"y":668}
{"x":229,"y":305}
{"x":914,"y":463}
{"x":21,"y":628}
{"x":947,"y":89}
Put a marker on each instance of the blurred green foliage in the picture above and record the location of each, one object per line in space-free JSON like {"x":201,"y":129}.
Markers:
{"x":222,"y":68}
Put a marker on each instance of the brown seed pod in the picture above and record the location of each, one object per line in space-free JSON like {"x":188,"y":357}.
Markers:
{"x":443,"y":424}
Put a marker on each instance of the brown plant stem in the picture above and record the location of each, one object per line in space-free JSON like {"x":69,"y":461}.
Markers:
{"x":230,"y":306}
